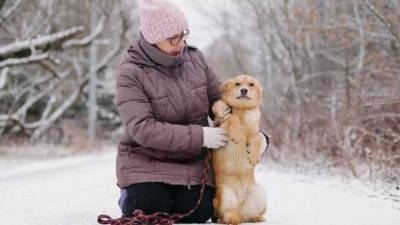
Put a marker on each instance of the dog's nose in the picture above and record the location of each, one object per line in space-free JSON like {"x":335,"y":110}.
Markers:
{"x":243,"y":91}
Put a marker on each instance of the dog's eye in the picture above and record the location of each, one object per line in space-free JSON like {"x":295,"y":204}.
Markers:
{"x":237,"y":84}
{"x":251,"y":84}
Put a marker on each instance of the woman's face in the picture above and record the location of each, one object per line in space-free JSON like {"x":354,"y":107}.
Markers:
{"x":173,"y":45}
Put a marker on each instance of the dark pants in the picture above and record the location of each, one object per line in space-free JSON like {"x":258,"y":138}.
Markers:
{"x":153,"y":197}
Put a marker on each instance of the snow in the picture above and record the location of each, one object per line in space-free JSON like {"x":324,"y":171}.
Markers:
{"x":72,"y":190}
{"x":75,"y":190}
{"x":325,"y":200}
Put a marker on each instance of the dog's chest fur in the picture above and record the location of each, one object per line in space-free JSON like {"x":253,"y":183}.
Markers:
{"x":252,"y":117}
{"x":249,"y":120}
{"x":233,"y":157}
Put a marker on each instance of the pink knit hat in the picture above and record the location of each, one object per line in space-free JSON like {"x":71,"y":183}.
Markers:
{"x":160,"y":19}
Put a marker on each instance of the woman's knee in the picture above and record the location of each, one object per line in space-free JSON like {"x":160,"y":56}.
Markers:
{"x":149,"y":197}
{"x":203,"y":212}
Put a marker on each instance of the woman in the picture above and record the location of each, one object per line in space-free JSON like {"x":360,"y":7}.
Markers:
{"x":164,"y":93}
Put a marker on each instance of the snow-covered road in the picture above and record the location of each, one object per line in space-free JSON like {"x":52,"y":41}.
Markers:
{"x":75,"y":190}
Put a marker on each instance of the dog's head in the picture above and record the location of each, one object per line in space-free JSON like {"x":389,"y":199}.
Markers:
{"x":242,"y":92}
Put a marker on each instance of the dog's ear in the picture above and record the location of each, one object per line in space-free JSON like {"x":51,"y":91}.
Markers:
{"x":224,"y":86}
{"x":259,"y":88}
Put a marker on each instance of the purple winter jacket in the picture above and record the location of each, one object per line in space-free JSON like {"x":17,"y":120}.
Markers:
{"x":163,"y":102}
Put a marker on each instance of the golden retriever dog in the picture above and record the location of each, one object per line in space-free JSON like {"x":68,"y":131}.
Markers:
{"x":238,"y":197}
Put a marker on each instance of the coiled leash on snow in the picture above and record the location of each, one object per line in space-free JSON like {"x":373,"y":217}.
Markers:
{"x":158,"y":218}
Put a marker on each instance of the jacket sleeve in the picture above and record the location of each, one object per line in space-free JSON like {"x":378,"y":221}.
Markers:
{"x":264,"y":132}
{"x":138,"y":118}
{"x":213,"y":84}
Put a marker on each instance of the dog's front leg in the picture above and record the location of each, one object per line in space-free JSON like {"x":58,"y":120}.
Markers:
{"x":253,"y":148}
{"x":219,"y":108}
{"x":234,"y":130}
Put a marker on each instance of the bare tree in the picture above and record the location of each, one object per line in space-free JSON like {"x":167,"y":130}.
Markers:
{"x":330,"y":71}
{"x":44,"y":67}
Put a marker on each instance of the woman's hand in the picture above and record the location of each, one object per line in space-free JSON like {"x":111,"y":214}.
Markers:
{"x":214,"y":137}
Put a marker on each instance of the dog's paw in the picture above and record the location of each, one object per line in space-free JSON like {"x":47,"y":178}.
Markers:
{"x":254,"y":159}
{"x":235,"y":140}
{"x":217,"y":122}
{"x":235,"y":137}
{"x":254,"y":162}
{"x":233,"y":219}
{"x":257,"y":219}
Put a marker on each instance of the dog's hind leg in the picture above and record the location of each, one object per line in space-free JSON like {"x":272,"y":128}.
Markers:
{"x":227,"y":206}
{"x":254,"y":205}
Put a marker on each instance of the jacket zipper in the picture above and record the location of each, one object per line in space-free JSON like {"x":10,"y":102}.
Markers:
{"x":185,"y":119}
{"x":183,"y":94}
{"x":188,"y":177}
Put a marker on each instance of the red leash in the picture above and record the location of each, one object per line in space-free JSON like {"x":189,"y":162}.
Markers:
{"x":158,"y":218}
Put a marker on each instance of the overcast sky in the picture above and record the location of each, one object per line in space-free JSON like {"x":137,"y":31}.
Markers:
{"x":202,"y":31}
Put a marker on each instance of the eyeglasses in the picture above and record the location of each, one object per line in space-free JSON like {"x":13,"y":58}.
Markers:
{"x":175,"y":40}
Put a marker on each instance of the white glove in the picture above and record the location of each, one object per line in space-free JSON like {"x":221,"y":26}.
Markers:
{"x":210,"y":121}
{"x":263,"y":142}
{"x":214,"y":137}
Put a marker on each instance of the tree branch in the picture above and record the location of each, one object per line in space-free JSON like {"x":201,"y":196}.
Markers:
{"x":3,"y":77}
{"x":10,"y":10}
{"x":2,"y":3}
{"x":39,"y":41}
{"x":45,"y":123}
{"x":88,"y":39}
{"x":26,"y":60}
{"x":384,"y":20}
